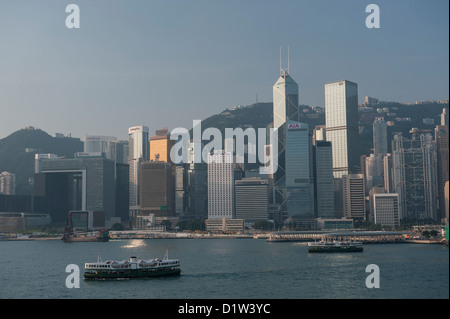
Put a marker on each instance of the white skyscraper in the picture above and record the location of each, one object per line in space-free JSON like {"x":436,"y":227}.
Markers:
{"x":220,"y":185}
{"x":139,"y":151}
{"x":341,"y":121}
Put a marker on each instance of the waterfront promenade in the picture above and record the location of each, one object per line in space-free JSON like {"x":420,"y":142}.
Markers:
{"x":366,"y":237}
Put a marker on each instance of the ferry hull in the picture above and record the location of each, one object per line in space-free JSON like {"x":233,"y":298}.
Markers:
{"x":131,"y":273}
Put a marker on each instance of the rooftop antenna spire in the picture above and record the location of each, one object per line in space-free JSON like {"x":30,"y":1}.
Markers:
{"x":288,"y":61}
{"x":281,"y":68}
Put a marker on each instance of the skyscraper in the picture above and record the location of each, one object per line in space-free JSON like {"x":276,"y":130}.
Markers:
{"x":341,"y":120}
{"x":442,"y":161}
{"x":299,"y":172}
{"x":112,"y":148}
{"x":220,"y":185}
{"x":252,"y":199}
{"x":157,"y":189}
{"x":160,"y":146}
{"x":323,"y":179}
{"x":138,"y":153}
{"x":414,"y":175}
{"x":285,"y":108}
{"x":380,"y":143}
{"x":353,"y":187}
{"x":374,"y":171}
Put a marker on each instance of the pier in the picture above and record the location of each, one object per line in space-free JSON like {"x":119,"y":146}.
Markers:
{"x":365,"y":237}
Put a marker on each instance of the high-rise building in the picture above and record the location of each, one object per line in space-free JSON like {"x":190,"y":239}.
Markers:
{"x":160,"y":146}
{"x":138,"y":145}
{"x":319,"y":134}
{"x":112,"y":148}
{"x":380,"y":142}
{"x":197,"y":185}
{"x":299,"y":171}
{"x":414,"y":175}
{"x":80,"y":183}
{"x":157,"y":189}
{"x":7,"y":183}
{"x":220,"y":185}
{"x":444,"y":117}
{"x":388,"y":173}
{"x":285,"y":108}
{"x":354,"y":202}
{"x":341,"y":120}
{"x":447,"y":202}
{"x":252,"y":199}
{"x":323,"y":179}
{"x":374,"y":171}
{"x":285,"y":100}
{"x":386,"y":209}
{"x":442,"y":161}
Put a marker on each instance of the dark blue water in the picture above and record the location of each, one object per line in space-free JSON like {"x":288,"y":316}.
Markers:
{"x":227,"y":269}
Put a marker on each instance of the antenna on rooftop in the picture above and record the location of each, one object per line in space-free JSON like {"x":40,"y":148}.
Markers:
{"x":288,"y":61}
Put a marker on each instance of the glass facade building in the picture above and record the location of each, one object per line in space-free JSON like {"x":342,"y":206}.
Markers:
{"x":299,"y":186}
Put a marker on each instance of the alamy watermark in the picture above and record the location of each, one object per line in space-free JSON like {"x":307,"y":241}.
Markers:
{"x":255,"y":148}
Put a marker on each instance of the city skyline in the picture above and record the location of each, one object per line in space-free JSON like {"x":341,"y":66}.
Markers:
{"x":111,"y":72}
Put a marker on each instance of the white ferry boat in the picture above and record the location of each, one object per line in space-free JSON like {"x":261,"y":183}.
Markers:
{"x":132,"y":268}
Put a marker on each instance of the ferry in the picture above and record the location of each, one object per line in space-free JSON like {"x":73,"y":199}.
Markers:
{"x":132,"y":268}
{"x":335,"y":246}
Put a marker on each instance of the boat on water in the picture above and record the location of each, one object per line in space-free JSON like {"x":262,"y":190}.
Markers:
{"x":335,"y":246}
{"x":132,"y":268}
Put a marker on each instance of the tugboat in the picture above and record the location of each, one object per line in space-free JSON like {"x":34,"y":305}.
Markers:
{"x":335,"y":246}
{"x":132,"y":268}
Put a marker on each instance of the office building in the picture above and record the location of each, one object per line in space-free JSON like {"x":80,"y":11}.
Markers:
{"x":380,"y":142}
{"x":414,"y":175}
{"x":386,"y":209}
{"x":138,"y":146}
{"x":388,"y":173}
{"x":252,"y":199}
{"x":38,"y":160}
{"x":160,"y":146}
{"x":444,"y":117}
{"x":157,"y":189}
{"x":341,"y":121}
{"x":220,"y":185}
{"x":299,"y":171}
{"x":323,"y":179}
{"x":374,"y":171}
{"x":7,"y":183}
{"x":285,"y":108}
{"x":354,"y":202}
{"x":82,"y":183}
{"x":442,"y":161}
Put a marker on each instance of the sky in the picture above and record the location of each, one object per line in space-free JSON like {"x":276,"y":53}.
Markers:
{"x":169,"y":62}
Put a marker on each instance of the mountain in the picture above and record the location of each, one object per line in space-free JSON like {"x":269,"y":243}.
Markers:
{"x":18,"y":149}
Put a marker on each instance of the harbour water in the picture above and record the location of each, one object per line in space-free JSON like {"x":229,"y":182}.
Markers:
{"x":226,"y":269}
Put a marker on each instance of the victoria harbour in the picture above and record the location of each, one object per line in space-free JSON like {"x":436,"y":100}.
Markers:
{"x":226,"y":269}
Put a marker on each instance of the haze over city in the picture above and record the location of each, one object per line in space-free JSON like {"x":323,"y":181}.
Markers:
{"x":159,"y":63}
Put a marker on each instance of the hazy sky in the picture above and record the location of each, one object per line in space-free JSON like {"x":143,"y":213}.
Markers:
{"x":167,"y":62}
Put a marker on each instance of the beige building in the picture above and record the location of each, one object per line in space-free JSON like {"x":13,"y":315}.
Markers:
{"x":157,"y":191}
{"x":160,"y":146}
